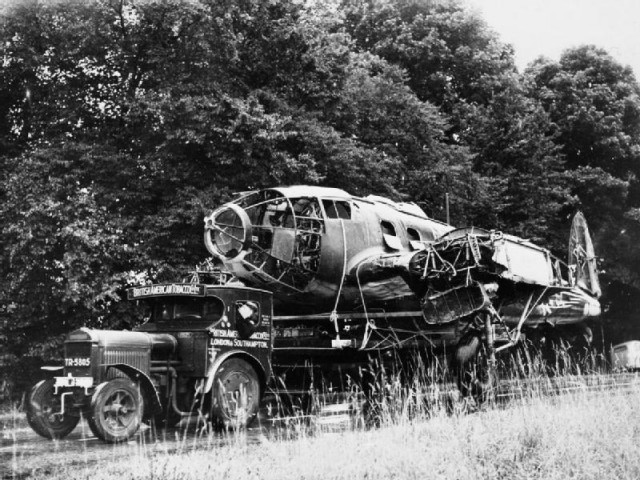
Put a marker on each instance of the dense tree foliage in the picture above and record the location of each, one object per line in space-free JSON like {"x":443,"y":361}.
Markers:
{"x":594,"y":104}
{"x":122,"y":122}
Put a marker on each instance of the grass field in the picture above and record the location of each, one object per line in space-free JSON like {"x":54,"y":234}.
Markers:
{"x":583,"y":435}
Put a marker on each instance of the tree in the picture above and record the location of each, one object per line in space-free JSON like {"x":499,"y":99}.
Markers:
{"x":513,"y":138}
{"x":448,"y":51}
{"x":62,"y":253}
{"x":142,"y":116}
{"x":454,"y":61}
{"x":594,"y":102}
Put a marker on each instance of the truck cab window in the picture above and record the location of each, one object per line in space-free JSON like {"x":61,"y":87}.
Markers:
{"x":184,"y":308}
{"x":247,"y":317}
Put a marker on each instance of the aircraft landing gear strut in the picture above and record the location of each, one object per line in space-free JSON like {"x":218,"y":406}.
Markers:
{"x":475,"y":362}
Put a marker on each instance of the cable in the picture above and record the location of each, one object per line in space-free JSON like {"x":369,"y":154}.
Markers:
{"x":334,"y":314}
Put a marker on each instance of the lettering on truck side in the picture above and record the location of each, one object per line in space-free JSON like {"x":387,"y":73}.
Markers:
{"x":173,"y":289}
{"x":229,"y":338}
{"x":220,"y":333}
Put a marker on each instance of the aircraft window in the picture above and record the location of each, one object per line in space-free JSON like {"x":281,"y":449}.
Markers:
{"x":250,"y":199}
{"x":337,"y":209}
{"x":389,"y":235}
{"x":413,"y":234}
{"x":415,"y":240}
{"x":344,"y":210}
{"x":387,"y":228}
{"x":229,"y":238}
{"x":306,"y":207}
{"x":277,"y":212}
{"x":302,"y":207}
{"x":308,"y":215}
{"x":261,"y":206}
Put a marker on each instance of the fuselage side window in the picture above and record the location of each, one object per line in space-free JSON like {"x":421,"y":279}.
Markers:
{"x":308,"y":214}
{"x":343,"y":209}
{"x":337,"y":209}
{"x":413,"y":234}
{"x":415,"y":239}
{"x":391,"y":240}
{"x":387,"y":228}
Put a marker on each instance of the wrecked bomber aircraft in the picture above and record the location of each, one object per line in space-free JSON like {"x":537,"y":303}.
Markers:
{"x":384,"y":275}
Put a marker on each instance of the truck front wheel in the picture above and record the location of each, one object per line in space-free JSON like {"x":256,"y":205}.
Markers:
{"x":116,"y":410}
{"x":43,"y":412}
{"x":236,"y":394}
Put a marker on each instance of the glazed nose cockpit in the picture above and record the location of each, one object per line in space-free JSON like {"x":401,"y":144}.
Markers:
{"x":228,"y":231}
{"x":269,"y":237}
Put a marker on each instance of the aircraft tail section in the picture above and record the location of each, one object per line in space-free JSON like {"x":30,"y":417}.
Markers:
{"x":582,"y":260}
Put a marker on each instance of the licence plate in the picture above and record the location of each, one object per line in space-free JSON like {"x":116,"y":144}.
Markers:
{"x":77,"y":362}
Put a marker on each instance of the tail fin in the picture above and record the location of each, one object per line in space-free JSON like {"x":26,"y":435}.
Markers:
{"x":582,"y":260}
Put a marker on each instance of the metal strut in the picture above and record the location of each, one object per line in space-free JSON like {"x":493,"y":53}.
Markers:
{"x":334,"y":313}
{"x":490,"y":341}
{"x":525,"y":314}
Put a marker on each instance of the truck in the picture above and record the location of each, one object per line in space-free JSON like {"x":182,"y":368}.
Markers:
{"x":208,"y":350}
{"x":204,"y":348}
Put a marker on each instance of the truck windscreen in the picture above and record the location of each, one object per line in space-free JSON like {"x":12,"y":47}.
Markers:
{"x":188,"y":308}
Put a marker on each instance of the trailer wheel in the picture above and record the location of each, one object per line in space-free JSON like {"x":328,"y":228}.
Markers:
{"x":43,"y":409}
{"x":116,"y":410}
{"x":475,"y":376}
{"x":236,"y":394}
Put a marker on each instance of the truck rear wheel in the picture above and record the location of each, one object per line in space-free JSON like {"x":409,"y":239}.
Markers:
{"x":43,"y":412}
{"x":116,"y":410}
{"x":236,"y":394}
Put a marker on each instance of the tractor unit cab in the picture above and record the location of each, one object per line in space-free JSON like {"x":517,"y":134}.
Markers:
{"x":205,"y":349}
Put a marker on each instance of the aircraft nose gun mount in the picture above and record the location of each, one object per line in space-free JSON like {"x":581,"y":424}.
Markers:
{"x":268,"y":239}
{"x":227,"y":231}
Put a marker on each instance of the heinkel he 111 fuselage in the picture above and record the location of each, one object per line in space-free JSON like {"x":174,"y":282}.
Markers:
{"x":321,"y":249}
{"x":307,"y":244}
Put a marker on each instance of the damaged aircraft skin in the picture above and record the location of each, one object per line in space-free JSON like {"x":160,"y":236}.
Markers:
{"x":387,"y":275}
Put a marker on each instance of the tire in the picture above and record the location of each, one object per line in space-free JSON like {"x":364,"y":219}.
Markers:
{"x":475,"y":377}
{"x":42,"y":407}
{"x":116,"y":412}
{"x":235,"y":395}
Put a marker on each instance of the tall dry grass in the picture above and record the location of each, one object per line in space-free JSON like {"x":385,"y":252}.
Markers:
{"x":584,"y":434}
{"x":581,"y":435}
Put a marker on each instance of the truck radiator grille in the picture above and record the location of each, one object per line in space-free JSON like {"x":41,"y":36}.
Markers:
{"x":139,"y":359}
